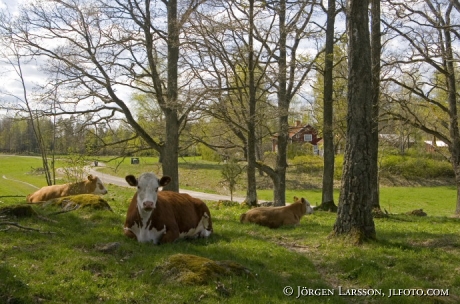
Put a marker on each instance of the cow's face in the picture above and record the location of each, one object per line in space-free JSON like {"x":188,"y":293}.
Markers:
{"x":309,"y":209}
{"x":305,"y":203}
{"x":97,"y":184}
{"x":147,"y":188}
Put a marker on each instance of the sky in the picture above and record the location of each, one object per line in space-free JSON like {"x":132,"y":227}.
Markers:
{"x":9,"y":80}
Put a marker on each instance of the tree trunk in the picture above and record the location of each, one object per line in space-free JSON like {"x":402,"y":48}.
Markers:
{"x":328,"y":137}
{"x":170,"y":153}
{"x":376,"y":50}
{"x":354,"y":216}
{"x":251,"y":195}
{"x":452,"y":99}
{"x":283,"y":112}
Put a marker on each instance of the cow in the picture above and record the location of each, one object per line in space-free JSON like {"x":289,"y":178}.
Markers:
{"x":164,"y":216}
{"x":91,"y":186}
{"x":274,"y":217}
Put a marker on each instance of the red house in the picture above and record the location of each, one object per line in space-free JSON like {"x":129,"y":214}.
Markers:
{"x":299,"y":134}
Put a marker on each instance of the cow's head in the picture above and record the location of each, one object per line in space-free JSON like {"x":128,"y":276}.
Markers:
{"x":97,"y":185}
{"x":147,"y":188}
{"x":305,"y":203}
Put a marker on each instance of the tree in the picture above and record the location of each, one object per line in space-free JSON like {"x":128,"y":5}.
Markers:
{"x":328,"y":135}
{"x":14,"y":56}
{"x":231,"y":170}
{"x":229,"y":68}
{"x":287,"y":72}
{"x":423,"y":80}
{"x":105,"y":48}
{"x":375,"y":58}
{"x":354,"y":217}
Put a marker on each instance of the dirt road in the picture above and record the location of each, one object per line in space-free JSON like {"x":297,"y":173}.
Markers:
{"x":119,"y":181}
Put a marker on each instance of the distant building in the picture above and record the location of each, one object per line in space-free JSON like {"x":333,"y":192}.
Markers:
{"x":432,"y":145}
{"x":299,"y":134}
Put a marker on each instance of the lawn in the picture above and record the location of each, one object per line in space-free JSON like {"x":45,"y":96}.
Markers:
{"x":62,"y":262}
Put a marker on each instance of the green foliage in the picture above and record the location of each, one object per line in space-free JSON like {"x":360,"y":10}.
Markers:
{"x":415,"y":167}
{"x":75,"y":167}
{"x":208,"y":153}
{"x":297,"y":149}
{"x":311,"y":164}
{"x":231,"y":172}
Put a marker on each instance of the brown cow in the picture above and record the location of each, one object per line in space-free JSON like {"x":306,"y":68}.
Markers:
{"x":275,"y":217}
{"x":91,"y":186}
{"x":165,"y":216}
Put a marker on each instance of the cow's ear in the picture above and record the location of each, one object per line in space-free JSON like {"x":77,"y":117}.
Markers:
{"x":296,"y":199}
{"x":132,"y":180}
{"x":90,"y":177}
{"x":165,"y":180}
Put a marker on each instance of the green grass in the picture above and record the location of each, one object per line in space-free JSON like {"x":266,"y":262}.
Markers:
{"x":62,"y":264}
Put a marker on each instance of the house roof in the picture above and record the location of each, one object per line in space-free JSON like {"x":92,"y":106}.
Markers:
{"x":439,"y":143}
{"x":297,"y":128}
{"x":293,"y":130}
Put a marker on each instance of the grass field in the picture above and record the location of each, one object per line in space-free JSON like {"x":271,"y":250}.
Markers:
{"x":62,"y":262}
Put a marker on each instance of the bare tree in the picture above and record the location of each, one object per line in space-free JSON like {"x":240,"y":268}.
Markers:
{"x":287,"y":73}
{"x":354,"y":216}
{"x":423,"y":79}
{"x":327,"y":201}
{"x":230,"y":69}
{"x":110,"y":49}
{"x":12,"y":53}
{"x":240,"y":74}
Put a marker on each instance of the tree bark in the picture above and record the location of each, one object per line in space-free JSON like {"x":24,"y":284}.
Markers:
{"x":452,"y":100}
{"x":376,"y":50}
{"x":251,"y":195}
{"x":328,"y":136}
{"x":283,"y":106}
{"x":170,"y":150}
{"x":354,"y":218}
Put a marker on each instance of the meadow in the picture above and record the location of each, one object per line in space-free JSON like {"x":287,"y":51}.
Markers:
{"x":414,"y":259}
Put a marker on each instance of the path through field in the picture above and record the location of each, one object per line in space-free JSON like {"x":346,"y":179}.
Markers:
{"x":119,"y":181}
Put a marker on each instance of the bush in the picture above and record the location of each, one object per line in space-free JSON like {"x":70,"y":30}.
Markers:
{"x":296,"y":149}
{"x":310,"y":164}
{"x":415,"y":167}
{"x":208,"y":154}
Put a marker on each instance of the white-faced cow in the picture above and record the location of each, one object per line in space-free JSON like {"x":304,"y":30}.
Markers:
{"x":91,"y":186}
{"x":164,"y":216}
{"x":275,"y":217}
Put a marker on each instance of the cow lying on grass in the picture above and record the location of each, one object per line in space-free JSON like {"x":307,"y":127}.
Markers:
{"x":164,"y":216}
{"x":91,"y":186}
{"x":275,"y":217}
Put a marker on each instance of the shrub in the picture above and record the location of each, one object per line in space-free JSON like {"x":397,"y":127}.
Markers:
{"x":415,"y":167}
{"x":311,"y":164}
{"x":208,"y":154}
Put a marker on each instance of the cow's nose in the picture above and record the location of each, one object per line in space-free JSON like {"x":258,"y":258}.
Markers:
{"x":148,"y":205}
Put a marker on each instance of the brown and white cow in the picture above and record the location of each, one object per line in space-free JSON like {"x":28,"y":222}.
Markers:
{"x":164,"y":216}
{"x":275,"y":217}
{"x":91,"y":186}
